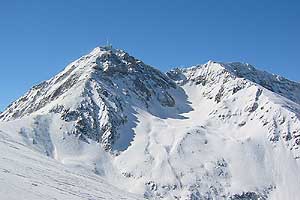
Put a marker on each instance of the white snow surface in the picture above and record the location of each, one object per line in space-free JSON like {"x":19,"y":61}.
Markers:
{"x":29,"y":175}
{"x":212,"y":131}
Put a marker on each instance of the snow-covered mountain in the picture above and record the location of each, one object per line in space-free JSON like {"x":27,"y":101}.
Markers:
{"x":212,"y":131}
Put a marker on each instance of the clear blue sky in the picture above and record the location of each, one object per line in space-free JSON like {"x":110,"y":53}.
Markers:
{"x":39,"y":38}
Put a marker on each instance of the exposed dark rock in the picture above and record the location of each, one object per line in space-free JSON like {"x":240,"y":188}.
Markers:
{"x":248,"y":196}
{"x":219,"y":95}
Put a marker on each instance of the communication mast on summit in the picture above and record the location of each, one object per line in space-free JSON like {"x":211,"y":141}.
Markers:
{"x":108,"y":45}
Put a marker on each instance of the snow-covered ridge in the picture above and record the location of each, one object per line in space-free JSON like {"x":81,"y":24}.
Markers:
{"x":96,"y":93}
{"x":213,"y":131}
{"x":102,"y":63}
{"x":274,"y":99}
{"x":274,"y":83}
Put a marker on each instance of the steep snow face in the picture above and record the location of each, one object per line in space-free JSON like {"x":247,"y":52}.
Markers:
{"x":239,"y":141}
{"x":214,"y":131}
{"x":227,"y":84}
{"x":94,"y":96}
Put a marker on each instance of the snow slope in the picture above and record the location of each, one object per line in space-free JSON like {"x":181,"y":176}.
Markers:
{"x":27,"y":174}
{"x":212,"y":131}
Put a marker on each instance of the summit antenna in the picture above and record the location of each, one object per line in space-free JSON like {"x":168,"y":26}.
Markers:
{"x":108,"y":45}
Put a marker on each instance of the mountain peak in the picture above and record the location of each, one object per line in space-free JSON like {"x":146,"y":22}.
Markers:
{"x":173,"y":141}
{"x":99,"y":50}
{"x":106,"y":66}
{"x":213,"y":71}
{"x":235,"y":68}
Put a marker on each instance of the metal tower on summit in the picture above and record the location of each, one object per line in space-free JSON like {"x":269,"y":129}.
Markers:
{"x":108,"y":45}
